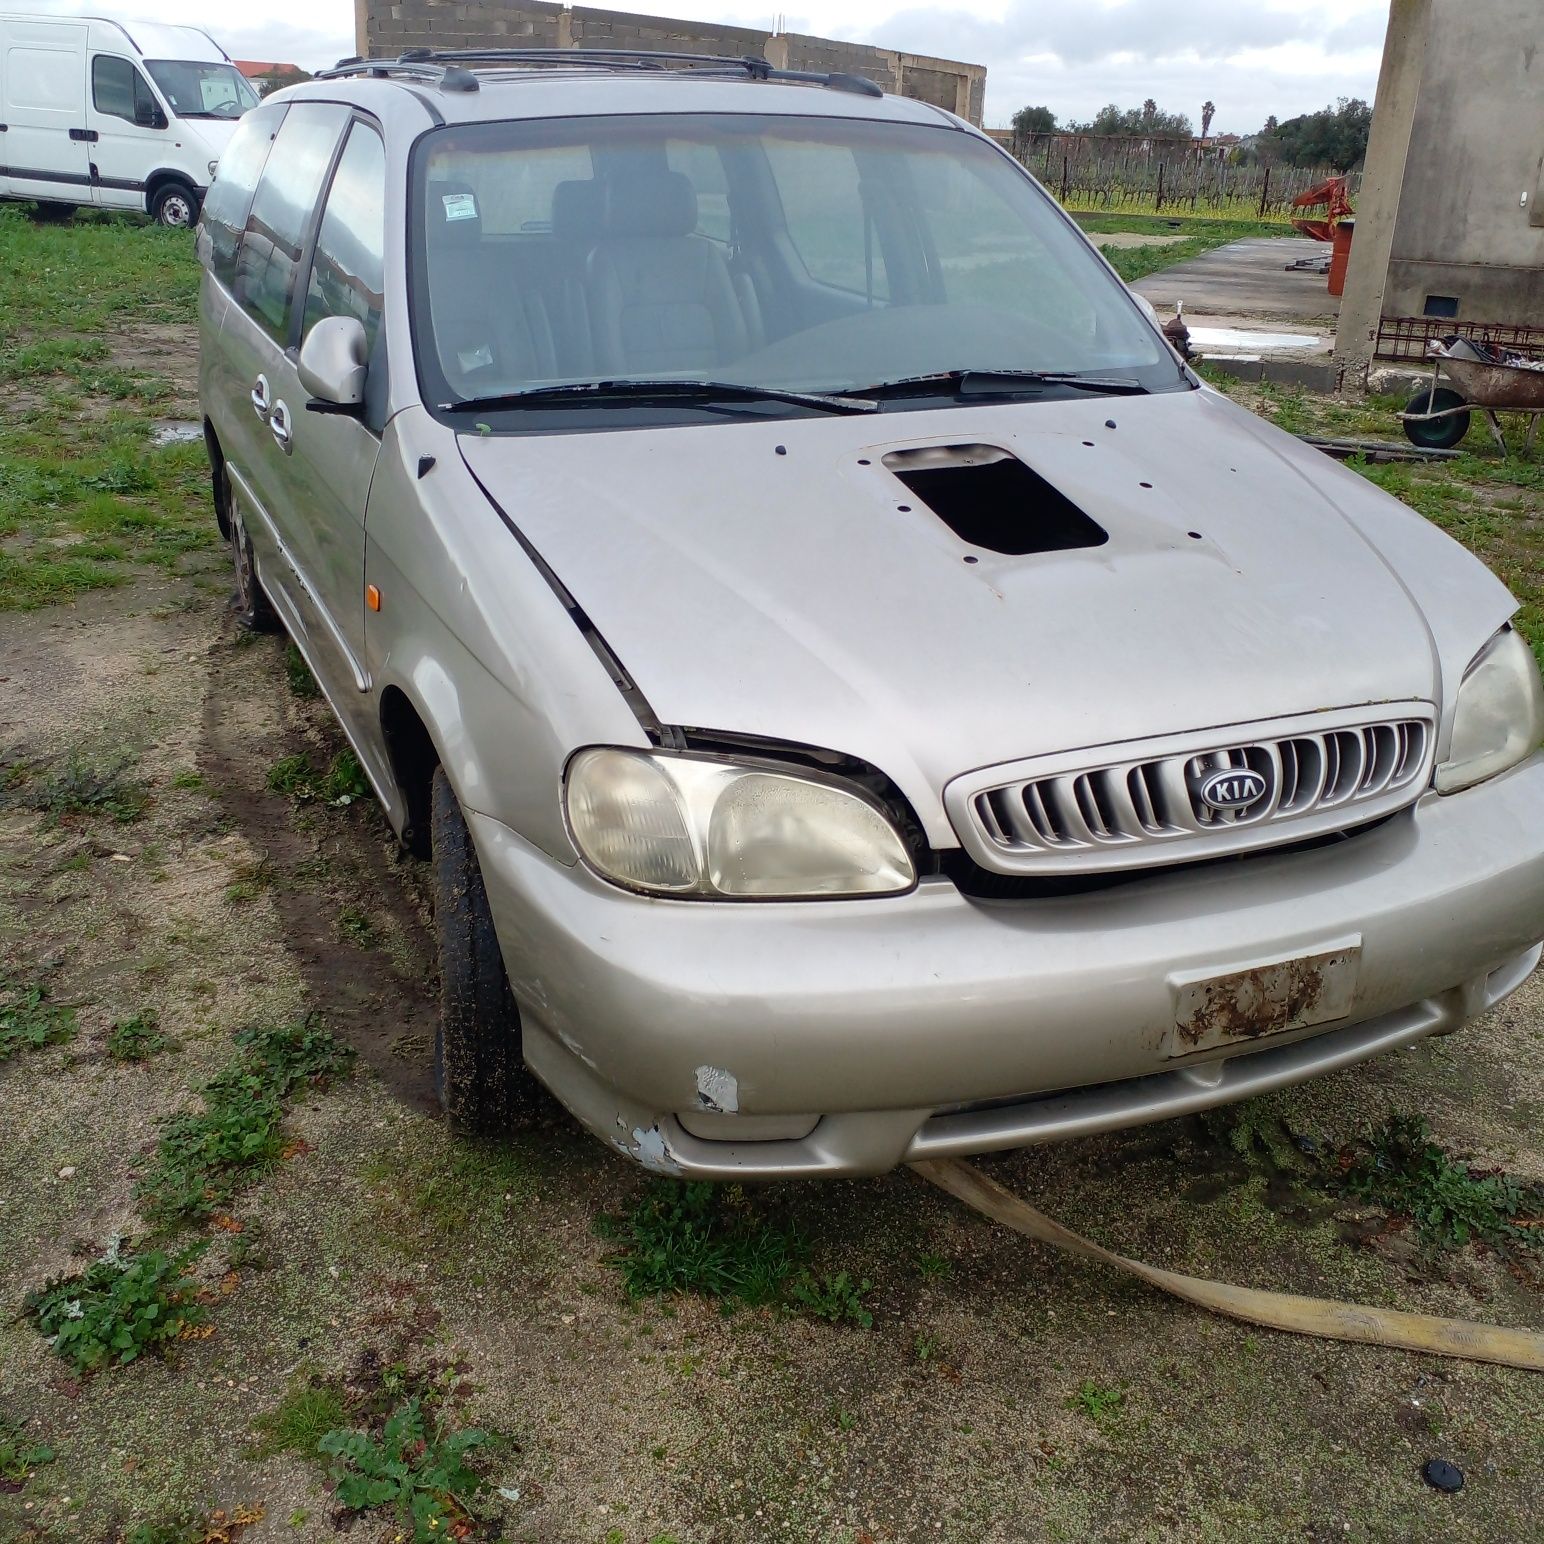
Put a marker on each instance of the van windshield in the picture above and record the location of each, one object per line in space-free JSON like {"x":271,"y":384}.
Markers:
{"x":194,"y":89}
{"x":793,"y":254}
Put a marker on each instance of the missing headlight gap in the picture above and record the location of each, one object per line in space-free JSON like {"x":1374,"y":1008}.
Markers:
{"x":990,"y":499}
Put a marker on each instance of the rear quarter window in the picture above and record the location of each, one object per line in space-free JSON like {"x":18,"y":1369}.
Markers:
{"x":274,"y":240}
{"x":230,"y":197}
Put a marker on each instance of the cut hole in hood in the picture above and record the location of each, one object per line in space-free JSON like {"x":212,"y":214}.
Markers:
{"x":991,"y":499}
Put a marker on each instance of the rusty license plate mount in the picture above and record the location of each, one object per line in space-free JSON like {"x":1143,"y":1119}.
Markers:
{"x":1211,"y":1011}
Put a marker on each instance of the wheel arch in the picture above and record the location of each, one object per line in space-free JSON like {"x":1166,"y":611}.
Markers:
{"x":166,"y":176}
{"x":217,"y":481}
{"x":413,"y":755}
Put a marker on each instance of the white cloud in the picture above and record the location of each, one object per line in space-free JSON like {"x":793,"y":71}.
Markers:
{"x":1251,"y":57}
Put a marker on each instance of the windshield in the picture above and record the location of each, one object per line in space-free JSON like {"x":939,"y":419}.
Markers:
{"x":817,"y":255}
{"x":194,"y":89}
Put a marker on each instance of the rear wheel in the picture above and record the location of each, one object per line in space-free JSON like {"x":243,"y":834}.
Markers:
{"x":1436,"y":433}
{"x":479,"y":1073}
{"x":254,"y":611}
{"x":174,"y":206}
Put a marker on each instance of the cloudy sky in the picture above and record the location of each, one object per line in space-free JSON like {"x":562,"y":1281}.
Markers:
{"x":1251,"y":57}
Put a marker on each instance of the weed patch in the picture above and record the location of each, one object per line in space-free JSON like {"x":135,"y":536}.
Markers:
{"x":19,"y":1454}
{"x":416,"y":1469}
{"x":207,"y":1157}
{"x":297,"y":673}
{"x":701,"y":1238}
{"x":120,"y":1308}
{"x":1406,"y":1173}
{"x":84,"y":787}
{"x":1103,"y":1406}
{"x":835,"y":1297}
{"x":341,"y":784}
{"x":29,"y":1020}
{"x":136,"y":1039}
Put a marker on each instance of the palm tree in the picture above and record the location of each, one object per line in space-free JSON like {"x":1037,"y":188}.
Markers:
{"x":1208,"y":112}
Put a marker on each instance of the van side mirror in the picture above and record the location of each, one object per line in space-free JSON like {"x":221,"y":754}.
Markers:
{"x":333,"y":363}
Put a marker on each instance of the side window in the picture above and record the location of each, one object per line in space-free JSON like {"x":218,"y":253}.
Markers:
{"x":828,"y":222}
{"x":230,"y":198}
{"x":347,"y":271}
{"x":119,"y":90}
{"x":274,"y":241}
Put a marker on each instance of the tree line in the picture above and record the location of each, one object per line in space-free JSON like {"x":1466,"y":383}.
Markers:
{"x":1335,"y":136}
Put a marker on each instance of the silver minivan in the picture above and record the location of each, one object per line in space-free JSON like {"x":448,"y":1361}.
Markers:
{"x":862,"y":696}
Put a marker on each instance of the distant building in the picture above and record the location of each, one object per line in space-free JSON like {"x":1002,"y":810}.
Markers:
{"x":385,"y":27}
{"x":266,"y":77}
{"x":1450,"y":219}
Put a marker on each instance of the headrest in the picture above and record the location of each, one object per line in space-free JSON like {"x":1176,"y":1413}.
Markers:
{"x":652,"y":203}
{"x":453,"y":215}
{"x":576,"y":210}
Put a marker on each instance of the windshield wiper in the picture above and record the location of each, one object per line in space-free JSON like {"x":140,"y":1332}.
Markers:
{"x":658,"y":391}
{"x":971,"y":383}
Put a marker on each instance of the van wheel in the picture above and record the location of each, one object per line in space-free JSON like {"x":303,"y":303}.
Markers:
{"x":479,"y":1073}
{"x":254,"y":611}
{"x":52,"y":214}
{"x":174,"y":206}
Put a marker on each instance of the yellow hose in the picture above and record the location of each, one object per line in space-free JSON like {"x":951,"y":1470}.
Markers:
{"x":1275,"y":1310}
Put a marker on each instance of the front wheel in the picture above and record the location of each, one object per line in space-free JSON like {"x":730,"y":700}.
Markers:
{"x":479,"y":1072}
{"x":1436,"y":433}
{"x":174,"y":206}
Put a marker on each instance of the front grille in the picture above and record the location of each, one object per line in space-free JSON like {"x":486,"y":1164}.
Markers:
{"x":1187,"y":802}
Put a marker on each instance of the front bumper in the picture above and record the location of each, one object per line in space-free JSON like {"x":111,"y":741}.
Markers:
{"x":932,"y":1024}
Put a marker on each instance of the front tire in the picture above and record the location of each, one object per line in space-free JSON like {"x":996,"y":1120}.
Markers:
{"x":1436,"y":433}
{"x":479,"y":1073}
{"x":174,"y":206}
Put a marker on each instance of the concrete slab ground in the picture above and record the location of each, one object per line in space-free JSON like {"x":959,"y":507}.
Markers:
{"x":1247,"y":279}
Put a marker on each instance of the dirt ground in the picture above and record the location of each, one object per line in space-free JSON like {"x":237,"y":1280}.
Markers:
{"x":1002,"y":1394}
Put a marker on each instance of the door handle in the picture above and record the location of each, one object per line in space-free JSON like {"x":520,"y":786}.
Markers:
{"x":85,"y":136}
{"x":260,"y":397}
{"x":279,"y":422}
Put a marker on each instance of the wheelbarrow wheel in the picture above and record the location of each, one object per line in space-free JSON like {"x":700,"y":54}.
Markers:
{"x":1436,"y":433}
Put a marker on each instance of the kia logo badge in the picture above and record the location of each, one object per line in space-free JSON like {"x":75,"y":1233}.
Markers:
{"x":1233,"y":789}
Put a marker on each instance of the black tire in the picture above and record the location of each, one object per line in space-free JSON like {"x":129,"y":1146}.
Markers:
{"x":250,"y":603}
{"x":175,"y":205}
{"x":52,"y":214}
{"x":1436,"y":433}
{"x":479,"y":1073}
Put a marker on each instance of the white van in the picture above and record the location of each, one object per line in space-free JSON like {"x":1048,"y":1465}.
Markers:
{"x":114,"y":115}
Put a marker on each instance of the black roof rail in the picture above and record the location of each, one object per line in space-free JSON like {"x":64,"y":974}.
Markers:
{"x":447,"y":68}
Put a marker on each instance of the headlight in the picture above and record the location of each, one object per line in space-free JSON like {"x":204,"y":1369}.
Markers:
{"x":691,"y":826}
{"x":1499,"y":719}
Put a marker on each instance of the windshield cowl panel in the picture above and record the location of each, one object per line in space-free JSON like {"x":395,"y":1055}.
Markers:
{"x":747,"y":261}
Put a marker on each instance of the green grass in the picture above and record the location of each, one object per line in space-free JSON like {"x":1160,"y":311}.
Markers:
{"x":835,"y":1297}
{"x":86,"y":501}
{"x":307,"y":1412}
{"x":1200,"y":235}
{"x":342,"y":783}
{"x":1103,"y":1406}
{"x":83,"y":787}
{"x":701,"y":1238}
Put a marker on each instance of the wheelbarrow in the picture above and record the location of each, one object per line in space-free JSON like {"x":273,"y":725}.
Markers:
{"x":1437,"y":417}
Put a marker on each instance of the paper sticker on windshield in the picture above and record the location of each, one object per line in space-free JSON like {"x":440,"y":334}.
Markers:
{"x":460,"y":206}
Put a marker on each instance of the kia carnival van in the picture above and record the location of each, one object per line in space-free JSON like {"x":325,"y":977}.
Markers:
{"x":862,"y":697}
{"x":114,"y":115}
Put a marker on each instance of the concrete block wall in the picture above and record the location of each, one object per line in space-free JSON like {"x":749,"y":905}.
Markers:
{"x":385,"y":27}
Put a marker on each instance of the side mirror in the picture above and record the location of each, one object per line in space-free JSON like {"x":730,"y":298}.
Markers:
{"x":333,"y":362}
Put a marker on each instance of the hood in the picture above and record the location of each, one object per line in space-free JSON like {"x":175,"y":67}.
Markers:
{"x":775,"y":580}
{"x":215,"y":132}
